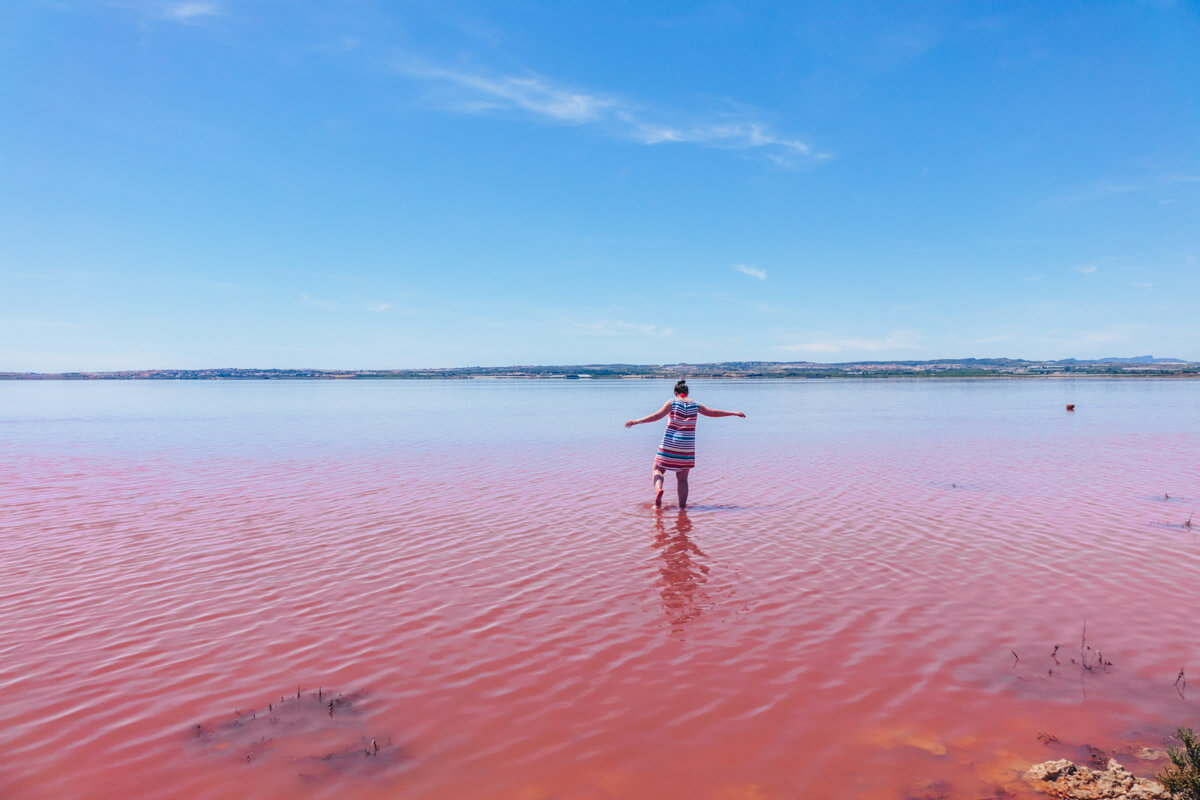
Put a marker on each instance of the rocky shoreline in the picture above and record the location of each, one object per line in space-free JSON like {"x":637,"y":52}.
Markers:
{"x":1069,"y":781}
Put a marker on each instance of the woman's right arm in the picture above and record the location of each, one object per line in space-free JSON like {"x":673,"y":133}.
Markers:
{"x":716,"y":412}
{"x":657,"y":415}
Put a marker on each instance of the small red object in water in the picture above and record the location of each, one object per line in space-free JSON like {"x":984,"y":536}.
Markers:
{"x":1070,"y":406}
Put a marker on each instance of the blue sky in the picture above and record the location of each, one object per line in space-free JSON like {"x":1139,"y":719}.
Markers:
{"x":358,"y":184}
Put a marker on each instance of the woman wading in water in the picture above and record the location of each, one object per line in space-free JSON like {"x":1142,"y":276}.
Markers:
{"x":677,"y":452}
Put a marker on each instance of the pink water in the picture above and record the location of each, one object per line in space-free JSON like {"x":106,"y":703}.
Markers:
{"x":863,"y":600}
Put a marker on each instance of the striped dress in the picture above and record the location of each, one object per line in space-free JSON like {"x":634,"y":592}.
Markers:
{"x":678,"y":448}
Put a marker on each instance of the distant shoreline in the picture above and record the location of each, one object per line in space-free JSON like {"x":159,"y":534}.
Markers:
{"x":1145,"y":366}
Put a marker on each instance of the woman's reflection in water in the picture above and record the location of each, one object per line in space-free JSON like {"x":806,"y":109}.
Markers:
{"x":681,"y":574}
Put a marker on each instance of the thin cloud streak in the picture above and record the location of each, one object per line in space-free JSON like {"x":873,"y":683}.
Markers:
{"x":753,"y":272}
{"x":476,"y":93}
{"x":730,"y":135}
{"x":185,"y":12}
{"x":528,"y":94}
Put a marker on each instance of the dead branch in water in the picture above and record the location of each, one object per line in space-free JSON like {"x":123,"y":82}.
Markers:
{"x":1086,"y":658}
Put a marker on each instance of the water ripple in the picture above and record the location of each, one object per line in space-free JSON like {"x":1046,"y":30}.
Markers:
{"x":859,"y":593}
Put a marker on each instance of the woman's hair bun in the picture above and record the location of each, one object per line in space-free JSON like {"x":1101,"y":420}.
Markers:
{"x":681,"y":386}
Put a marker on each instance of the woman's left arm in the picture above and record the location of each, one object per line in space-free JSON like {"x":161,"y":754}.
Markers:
{"x":714,"y":412}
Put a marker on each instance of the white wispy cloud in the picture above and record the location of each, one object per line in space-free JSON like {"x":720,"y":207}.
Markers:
{"x":753,"y":272}
{"x":897,"y":340}
{"x":474,"y":92}
{"x":186,"y":12}
{"x":1087,"y":269}
{"x":733,"y":134}
{"x":378,"y":307}
{"x":609,"y":327}
{"x":479,"y":93}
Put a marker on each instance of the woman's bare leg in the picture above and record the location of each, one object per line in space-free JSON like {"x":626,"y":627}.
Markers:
{"x":681,"y":478}
{"x":658,"y":485}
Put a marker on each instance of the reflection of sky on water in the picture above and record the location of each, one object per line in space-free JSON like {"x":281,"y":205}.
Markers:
{"x":682,"y":574}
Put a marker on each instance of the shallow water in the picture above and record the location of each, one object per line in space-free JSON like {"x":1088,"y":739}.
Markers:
{"x":864,"y":599}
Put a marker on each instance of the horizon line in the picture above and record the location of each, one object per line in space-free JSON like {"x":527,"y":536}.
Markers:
{"x":1144,"y":360}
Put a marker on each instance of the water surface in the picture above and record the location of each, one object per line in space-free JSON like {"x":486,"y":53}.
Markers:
{"x":882,"y":589}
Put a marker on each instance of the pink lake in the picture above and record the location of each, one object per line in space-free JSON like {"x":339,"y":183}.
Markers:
{"x":460,"y":590}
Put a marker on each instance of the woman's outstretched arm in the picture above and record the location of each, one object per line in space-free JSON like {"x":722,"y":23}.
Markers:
{"x":657,"y":415}
{"x":714,"y":412}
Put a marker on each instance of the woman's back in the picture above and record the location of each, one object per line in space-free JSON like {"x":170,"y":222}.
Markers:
{"x":683,"y":414}
{"x":678,"y":448}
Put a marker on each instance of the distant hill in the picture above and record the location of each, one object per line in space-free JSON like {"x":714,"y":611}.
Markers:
{"x":1137,"y":359}
{"x":942,"y":367}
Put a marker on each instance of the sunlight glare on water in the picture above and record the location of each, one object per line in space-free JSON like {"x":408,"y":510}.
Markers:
{"x":882,"y":589}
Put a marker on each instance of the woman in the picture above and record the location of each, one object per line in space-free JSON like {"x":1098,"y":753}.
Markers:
{"x":677,"y":452}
